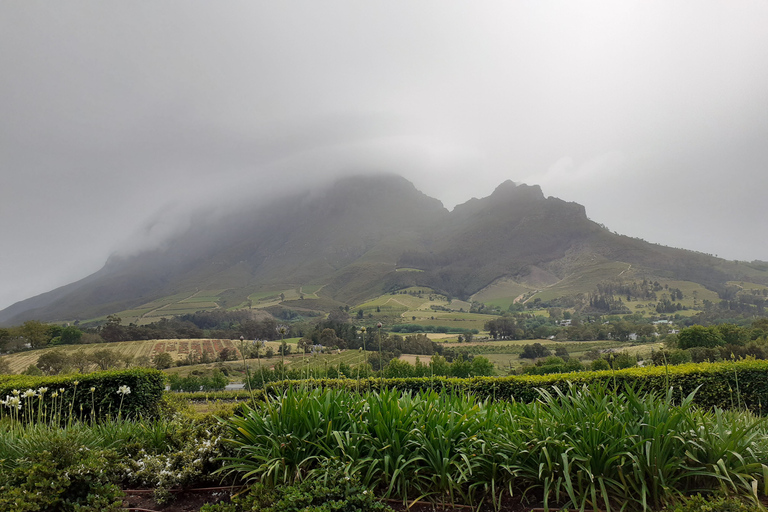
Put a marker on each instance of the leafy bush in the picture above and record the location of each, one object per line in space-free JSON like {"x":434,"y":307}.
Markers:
{"x":71,"y":479}
{"x":73,"y":392}
{"x":213,"y":381}
{"x":582,"y":447}
{"x":721,"y":384}
{"x":333,"y":491}
{"x":713,"y":504}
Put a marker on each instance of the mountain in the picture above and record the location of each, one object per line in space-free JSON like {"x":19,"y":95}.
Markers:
{"x":354,"y":239}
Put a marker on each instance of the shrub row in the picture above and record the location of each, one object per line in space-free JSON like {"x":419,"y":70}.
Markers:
{"x":722,"y":384}
{"x":146,"y":389}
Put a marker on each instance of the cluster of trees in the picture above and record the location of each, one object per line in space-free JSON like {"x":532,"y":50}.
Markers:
{"x":726,"y":341}
{"x":57,"y":361}
{"x":213,"y":324}
{"x":521,"y":326}
{"x":415,"y":328}
{"x":561,"y":362}
{"x":438,"y":366}
{"x":216,"y":324}
{"x":34,"y":334}
{"x":214,"y":380}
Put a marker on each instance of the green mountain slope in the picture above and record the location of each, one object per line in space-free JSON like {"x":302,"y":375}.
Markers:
{"x":346,"y":242}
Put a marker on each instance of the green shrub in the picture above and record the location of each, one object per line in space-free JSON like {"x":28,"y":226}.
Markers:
{"x":332,"y":491}
{"x":580,"y":446}
{"x":713,"y":504}
{"x":721,"y":384}
{"x":93,"y":394}
{"x":67,"y":478}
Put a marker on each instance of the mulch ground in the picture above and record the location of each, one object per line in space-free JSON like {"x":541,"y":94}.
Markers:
{"x":191,"y":500}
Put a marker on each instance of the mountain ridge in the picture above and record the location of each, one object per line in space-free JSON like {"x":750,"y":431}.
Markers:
{"x":352,"y":236}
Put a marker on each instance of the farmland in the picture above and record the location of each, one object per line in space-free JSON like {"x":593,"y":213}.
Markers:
{"x":135,"y":350}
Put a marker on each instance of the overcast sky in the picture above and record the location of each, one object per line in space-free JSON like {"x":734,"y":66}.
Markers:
{"x":654,"y":115}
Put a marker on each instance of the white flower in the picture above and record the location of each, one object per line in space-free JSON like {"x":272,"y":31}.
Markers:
{"x":29,"y":393}
{"x":13,"y":401}
{"x":61,"y":390}
{"x":42,"y":391}
{"x":76,"y":382}
{"x":93,"y":389}
{"x":123,"y":390}
{"x":15,"y":392}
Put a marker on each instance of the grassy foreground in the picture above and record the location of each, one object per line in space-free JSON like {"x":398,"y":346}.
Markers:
{"x":586,"y":448}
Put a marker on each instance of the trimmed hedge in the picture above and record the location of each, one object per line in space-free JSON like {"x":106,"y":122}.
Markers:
{"x":742,"y":384}
{"x":146,"y":385}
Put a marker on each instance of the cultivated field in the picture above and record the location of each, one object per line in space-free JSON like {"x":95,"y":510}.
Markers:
{"x":179,"y":349}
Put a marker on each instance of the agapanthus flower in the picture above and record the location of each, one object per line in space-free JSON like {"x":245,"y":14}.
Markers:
{"x":123,"y":390}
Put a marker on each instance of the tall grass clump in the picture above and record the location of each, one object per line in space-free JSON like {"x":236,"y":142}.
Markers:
{"x":587,"y":448}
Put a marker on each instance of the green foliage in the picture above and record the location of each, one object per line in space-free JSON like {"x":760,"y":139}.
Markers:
{"x":699,"y":503}
{"x":70,"y":478}
{"x":209,"y":381}
{"x":699,"y":336}
{"x":163,"y":360}
{"x":176,"y":450}
{"x":554,"y":364}
{"x":333,"y":492}
{"x":195,"y":457}
{"x":532,"y":351}
{"x":584,"y":447}
{"x":73,"y":392}
{"x":722,"y":384}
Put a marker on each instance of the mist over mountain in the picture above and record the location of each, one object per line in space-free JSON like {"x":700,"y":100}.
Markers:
{"x":354,"y":237}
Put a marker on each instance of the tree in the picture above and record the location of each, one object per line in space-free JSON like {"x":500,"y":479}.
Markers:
{"x":226,"y":354}
{"x":33,"y":371}
{"x":163,"y":360}
{"x":439,"y":366}
{"x":70,"y":335}
{"x":35,"y":333}
{"x":105,"y":358}
{"x":699,"y":336}
{"x":481,"y":366}
{"x":733,"y":334}
{"x":397,"y":369}
{"x":460,"y":367}
{"x":112,"y":330}
{"x":534,"y":351}
{"x":80,"y":361}
{"x":53,"y":362}
{"x":304,"y":344}
{"x":328,"y":338}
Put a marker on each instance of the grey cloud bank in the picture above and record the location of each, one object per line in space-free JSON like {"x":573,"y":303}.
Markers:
{"x":117,"y":119}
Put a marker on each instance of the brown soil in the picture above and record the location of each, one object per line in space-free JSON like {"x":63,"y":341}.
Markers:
{"x":191,"y":500}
